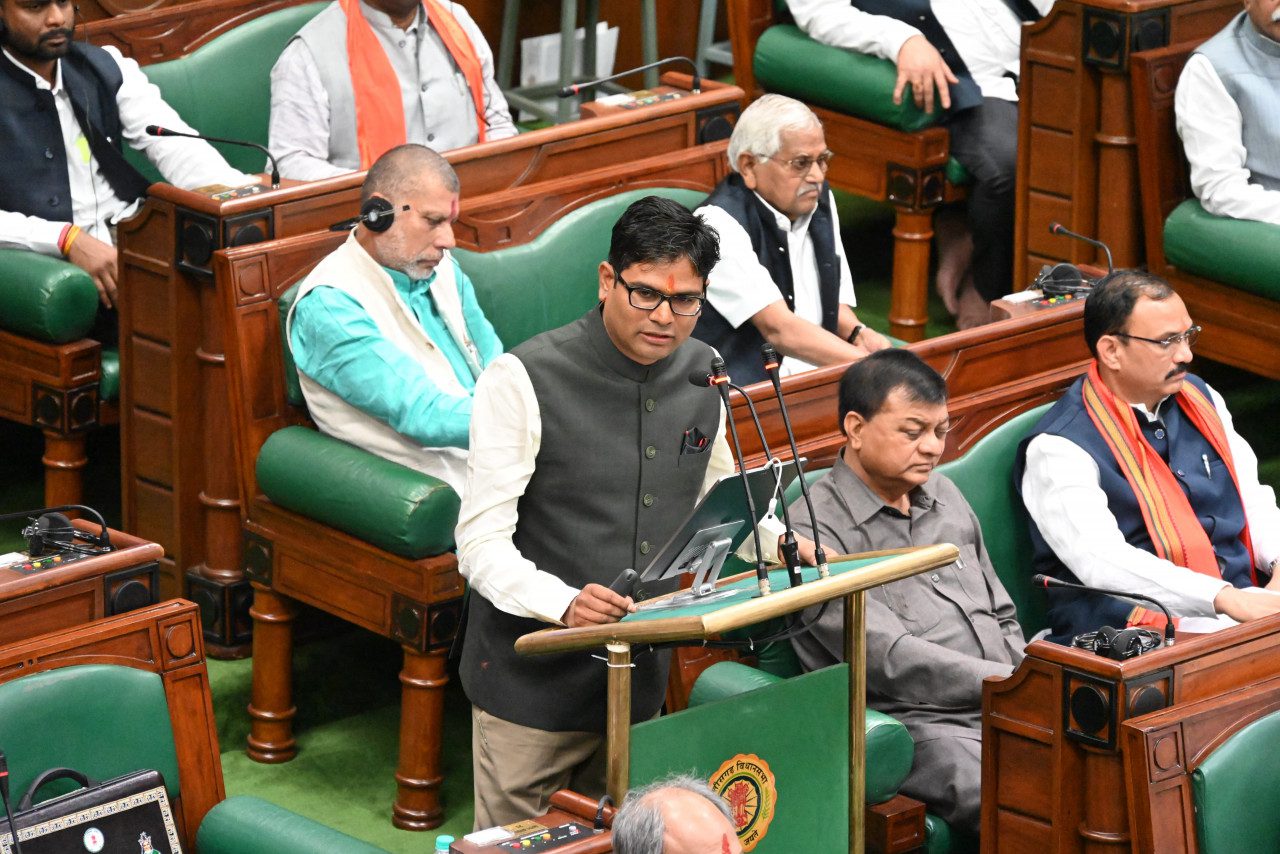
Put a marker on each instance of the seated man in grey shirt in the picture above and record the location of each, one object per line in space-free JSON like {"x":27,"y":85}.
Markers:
{"x":931,"y":638}
{"x":334,"y":104}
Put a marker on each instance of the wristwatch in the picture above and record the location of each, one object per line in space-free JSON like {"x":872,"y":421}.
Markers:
{"x":857,"y":330}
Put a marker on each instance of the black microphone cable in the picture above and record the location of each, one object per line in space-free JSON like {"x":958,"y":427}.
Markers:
{"x":4,"y":796}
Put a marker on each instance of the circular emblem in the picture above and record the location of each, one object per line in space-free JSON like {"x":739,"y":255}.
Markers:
{"x":94,"y":841}
{"x":750,"y":789}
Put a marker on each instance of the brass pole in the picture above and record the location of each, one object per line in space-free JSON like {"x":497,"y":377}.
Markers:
{"x":619,"y":720}
{"x":855,"y":653}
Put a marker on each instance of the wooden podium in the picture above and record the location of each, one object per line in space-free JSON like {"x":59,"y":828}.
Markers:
{"x":851,"y":576}
{"x":178,"y":466}
{"x":1054,"y":760}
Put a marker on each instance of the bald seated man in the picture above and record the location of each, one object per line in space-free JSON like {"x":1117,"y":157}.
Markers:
{"x":681,"y":815}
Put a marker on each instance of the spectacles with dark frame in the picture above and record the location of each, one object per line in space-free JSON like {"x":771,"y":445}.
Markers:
{"x":647,"y":299}
{"x":1190,"y":336}
{"x":802,"y":165}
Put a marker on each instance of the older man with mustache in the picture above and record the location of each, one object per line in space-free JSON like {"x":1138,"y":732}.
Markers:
{"x":1136,"y":479}
{"x":782,"y":276}
{"x":1228,"y":111}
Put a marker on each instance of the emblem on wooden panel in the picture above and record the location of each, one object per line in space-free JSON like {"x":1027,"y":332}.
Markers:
{"x":750,"y":789}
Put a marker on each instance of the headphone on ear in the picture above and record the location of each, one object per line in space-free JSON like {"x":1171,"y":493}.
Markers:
{"x":378,"y":214}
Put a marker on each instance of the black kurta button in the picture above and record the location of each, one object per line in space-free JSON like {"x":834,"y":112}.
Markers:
{"x":644,"y":547}
{"x":48,"y":154}
{"x":53,"y":200}
{"x":650,"y":405}
{"x":647,"y":501}
{"x":650,"y":452}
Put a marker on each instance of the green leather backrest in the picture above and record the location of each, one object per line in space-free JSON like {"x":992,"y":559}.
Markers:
{"x":985,"y":476}
{"x":788,"y":62}
{"x":45,"y":298}
{"x":223,"y":88}
{"x":552,"y":280}
{"x":103,"y":720}
{"x":1236,"y":792}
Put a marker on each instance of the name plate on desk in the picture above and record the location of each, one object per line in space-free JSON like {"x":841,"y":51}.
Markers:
{"x":223,"y":193}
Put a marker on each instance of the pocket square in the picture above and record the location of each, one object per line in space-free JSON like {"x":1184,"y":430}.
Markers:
{"x":694,"y":442}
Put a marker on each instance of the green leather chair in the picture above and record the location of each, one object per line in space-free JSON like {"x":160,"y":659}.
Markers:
{"x":1235,"y":792}
{"x":223,"y":88}
{"x":60,"y":381}
{"x":140,"y":702}
{"x":886,"y":152}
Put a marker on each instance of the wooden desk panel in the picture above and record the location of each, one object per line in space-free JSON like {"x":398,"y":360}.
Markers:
{"x":1054,"y":762}
{"x":1077,"y":155}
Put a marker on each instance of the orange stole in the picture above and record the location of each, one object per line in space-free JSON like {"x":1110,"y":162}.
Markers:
{"x":379,"y":110}
{"x":1175,"y":532}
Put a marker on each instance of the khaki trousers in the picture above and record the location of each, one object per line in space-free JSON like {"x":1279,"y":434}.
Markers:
{"x":518,"y":768}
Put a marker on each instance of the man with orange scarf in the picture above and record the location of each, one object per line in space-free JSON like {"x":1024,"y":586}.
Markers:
{"x":1136,"y":479}
{"x":364,"y":76}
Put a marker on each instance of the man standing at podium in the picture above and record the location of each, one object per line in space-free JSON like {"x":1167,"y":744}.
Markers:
{"x":589,"y":446}
{"x":931,"y":638}
{"x":1137,"y":481}
{"x":364,"y":76}
{"x":66,"y":109}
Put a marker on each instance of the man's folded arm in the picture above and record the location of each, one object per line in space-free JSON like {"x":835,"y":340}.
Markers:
{"x":18,"y":231}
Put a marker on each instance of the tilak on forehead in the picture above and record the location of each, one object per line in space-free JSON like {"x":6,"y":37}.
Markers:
{"x":724,"y":844}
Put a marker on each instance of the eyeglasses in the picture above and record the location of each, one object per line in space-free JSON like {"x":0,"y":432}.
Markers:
{"x":1190,"y":336}
{"x":647,"y":299}
{"x":802,"y":165}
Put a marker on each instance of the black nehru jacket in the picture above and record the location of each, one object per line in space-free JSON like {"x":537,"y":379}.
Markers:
{"x":609,"y":488}
{"x":36,"y":182}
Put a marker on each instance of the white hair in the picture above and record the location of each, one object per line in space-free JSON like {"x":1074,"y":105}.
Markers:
{"x":759,"y":129}
{"x":638,"y":828}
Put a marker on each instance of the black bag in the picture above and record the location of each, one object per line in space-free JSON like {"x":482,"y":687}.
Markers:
{"x":127,"y":815}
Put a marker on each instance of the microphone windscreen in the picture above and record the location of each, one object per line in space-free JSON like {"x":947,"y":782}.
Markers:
{"x":1041,"y":580}
{"x":154,"y":130}
{"x":700,"y":378}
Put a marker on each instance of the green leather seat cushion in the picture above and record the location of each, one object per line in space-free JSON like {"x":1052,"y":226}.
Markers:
{"x":396,"y":508}
{"x":109,"y":384}
{"x":45,"y":298}
{"x":1236,"y":791}
{"x":1241,"y":253}
{"x":100,"y":719}
{"x":552,"y":280}
{"x":248,"y":825}
{"x":790,"y":63}
{"x":890,"y":748}
{"x":223,"y":88}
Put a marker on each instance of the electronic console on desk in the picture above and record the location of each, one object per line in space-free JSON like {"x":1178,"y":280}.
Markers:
{"x":639,"y":98}
{"x":523,"y":836}
{"x":27,"y":565}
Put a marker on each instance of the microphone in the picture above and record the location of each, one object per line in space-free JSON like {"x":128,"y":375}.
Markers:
{"x":4,"y":795}
{"x":156,"y":130}
{"x":1059,"y":228}
{"x":771,"y":362}
{"x":1048,"y":581}
{"x":719,"y":378}
{"x":571,"y":90}
{"x":790,"y":549}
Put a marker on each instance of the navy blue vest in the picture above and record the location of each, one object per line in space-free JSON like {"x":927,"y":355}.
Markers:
{"x":1213,"y":496}
{"x":740,"y":347}
{"x":36,"y":182}
{"x":919,"y":14}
